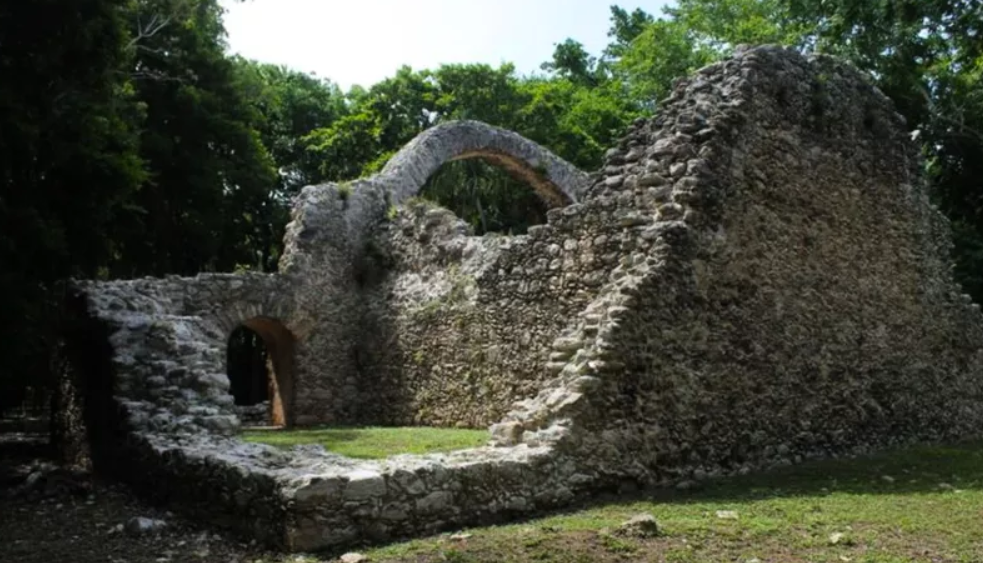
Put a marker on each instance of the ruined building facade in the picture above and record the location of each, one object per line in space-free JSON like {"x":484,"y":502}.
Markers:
{"x":755,"y":277}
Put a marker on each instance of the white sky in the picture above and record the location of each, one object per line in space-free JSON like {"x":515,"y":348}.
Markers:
{"x":363,"y":41}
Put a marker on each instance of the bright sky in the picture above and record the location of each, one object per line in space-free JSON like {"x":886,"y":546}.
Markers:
{"x":363,"y":41}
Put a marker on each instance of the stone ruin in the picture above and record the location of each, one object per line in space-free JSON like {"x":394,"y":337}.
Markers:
{"x":754,"y":278}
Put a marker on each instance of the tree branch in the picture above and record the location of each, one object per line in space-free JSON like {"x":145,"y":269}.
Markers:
{"x":154,"y":26}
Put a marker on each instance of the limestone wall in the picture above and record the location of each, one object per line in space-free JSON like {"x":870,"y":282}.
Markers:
{"x":813,"y":312}
{"x":460,"y":327}
{"x":798,"y":301}
{"x":340,"y":261}
{"x":165,"y":343}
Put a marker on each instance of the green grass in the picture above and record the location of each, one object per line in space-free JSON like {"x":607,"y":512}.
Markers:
{"x":374,"y":442}
{"x":918,"y":505}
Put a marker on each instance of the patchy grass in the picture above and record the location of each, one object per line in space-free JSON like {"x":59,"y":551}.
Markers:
{"x":374,"y":442}
{"x":919,"y":505}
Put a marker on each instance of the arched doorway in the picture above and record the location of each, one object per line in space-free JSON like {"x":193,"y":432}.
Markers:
{"x":260,"y":365}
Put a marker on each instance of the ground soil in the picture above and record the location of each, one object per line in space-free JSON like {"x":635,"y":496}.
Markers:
{"x":64,"y":516}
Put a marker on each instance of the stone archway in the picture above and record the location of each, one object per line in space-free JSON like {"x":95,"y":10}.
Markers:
{"x":279,"y":344}
{"x":557,"y":181}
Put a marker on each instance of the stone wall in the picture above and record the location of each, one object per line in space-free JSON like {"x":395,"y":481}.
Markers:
{"x":809,"y":310}
{"x":797,"y":302}
{"x":755,"y":277}
{"x":344,"y":264}
{"x":460,"y":327}
{"x":146,"y":376}
{"x":167,"y":341}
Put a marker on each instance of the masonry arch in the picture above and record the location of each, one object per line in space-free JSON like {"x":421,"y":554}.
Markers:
{"x":265,"y":374}
{"x":555,"y":180}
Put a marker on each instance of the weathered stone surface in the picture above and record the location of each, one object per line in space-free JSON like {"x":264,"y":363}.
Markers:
{"x":755,"y":277}
{"x":640,"y":526}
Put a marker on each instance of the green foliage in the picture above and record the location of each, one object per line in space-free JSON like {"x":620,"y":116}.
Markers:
{"x":486,"y":197}
{"x":720,"y":25}
{"x":210,"y":175}
{"x":665,"y":51}
{"x":346,"y":147}
{"x":625,"y":28}
{"x":292,"y":105}
{"x":572,"y":62}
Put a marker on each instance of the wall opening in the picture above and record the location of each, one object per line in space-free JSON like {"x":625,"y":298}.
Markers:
{"x":490,"y":197}
{"x":260,"y":364}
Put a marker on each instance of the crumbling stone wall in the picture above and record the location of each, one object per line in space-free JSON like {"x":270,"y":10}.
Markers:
{"x":166,"y":339}
{"x":461,"y":327}
{"x":333,"y":245}
{"x":808,"y":309}
{"x":798,"y":301}
{"x":755,"y":277}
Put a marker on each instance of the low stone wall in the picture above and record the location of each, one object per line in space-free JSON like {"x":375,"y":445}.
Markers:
{"x":307,"y":499}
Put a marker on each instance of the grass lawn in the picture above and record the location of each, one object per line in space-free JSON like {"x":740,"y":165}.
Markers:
{"x":918,"y":505}
{"x":374,"y":442}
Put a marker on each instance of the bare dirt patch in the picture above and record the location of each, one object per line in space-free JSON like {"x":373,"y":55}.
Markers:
{"x":50,"y":515}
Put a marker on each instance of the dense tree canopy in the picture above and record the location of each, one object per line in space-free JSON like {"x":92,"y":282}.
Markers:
{"x":132,"y":143}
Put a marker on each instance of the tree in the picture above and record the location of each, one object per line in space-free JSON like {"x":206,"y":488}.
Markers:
{"x":291,"y":105}
{"x":68,"y":166}
{"x":572,"y":62}
{"x":211,"y":178}
{"x":348,"y":146}
{"x":625,"y":28}
{"x":720,"y":25}
{"x":664,"y":51}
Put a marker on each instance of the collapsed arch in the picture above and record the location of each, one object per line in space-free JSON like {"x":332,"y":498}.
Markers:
{"x":555,"y":180}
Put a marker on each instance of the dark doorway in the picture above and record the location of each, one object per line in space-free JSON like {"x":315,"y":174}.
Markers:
{"x":248,"y":372}
{"x":260,"y":370}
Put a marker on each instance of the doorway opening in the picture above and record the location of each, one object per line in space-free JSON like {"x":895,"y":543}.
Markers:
{"x":260,"y":369}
